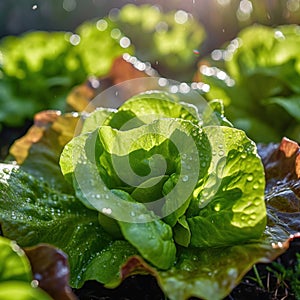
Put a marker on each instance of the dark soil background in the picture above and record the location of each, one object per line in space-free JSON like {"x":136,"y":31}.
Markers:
{"x":8,"y":135}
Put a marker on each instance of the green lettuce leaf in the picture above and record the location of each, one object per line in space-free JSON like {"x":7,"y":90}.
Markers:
{"x":291,"y":105}
{"x":153,"y":239}
{"x":22,"y":291}
{"x":169,"y":38}
{"x":231,"y":206}
{"x":144,"y":108}
{"x":55,"y":63}
{"x":16,"y":275}
{"x":14,"y":263}
{"x":184,"y":248}
{"x":259,"y":81}
{"x":37,"y":214}
{"x":114,"y":143}
{"x":211,"y":273}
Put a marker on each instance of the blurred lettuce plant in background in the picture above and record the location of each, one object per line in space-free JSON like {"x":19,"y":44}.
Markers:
{"x":39,"y":68}
{"x":167,"y":40}
{"x":257,"y":75}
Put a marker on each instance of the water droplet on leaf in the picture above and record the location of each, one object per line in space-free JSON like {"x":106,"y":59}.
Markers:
{"x":185,"y":178}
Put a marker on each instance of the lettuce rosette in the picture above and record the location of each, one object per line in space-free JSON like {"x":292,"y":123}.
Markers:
{"x":169,"y":178}
{"x":259,"y":81}
{"x":162,"y":185}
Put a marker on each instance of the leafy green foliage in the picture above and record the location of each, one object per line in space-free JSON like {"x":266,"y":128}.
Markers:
{"x":15,"y":274}
{"x":227,"y":193}
{"x":39,"y":214}
{"x":166,"y":38}
{"x":100,"y":43}
{"x":243,"y":210}
{"x":14,"y":263}
{"x":262,"y":84}
{"x":21,"y":290}
{"x":208,"y":273}
{"x":38,"y":69}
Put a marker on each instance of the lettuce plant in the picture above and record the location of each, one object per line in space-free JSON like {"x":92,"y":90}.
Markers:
{"x":262,"y":84}
{"x":160,"y":180}
{"x":158,"y":186}
{"x":50,"y":64}
{"x":15,"y":274}
{"x":166,"y":39}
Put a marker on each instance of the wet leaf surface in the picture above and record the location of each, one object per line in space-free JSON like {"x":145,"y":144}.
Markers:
{"x":38,"y":153}
{"x":282,"y":171}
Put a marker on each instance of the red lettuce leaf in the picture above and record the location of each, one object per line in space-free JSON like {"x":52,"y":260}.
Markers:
{"x":51,"y":270}
{"x":282,"y":171}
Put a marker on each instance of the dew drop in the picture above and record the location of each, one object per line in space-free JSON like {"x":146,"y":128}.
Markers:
{"x":204,"y":194}
{"x":102,"y":25}
{"x":115,"y":33}
{"x":255,"y":186}
{"x":34,"y":283}
{"x":185,"y":178}
{"x":125,"y":42}
{"x":250,"y":178}
{"x":257,"y":201}
{"x":75,"y":39}
{"x":28,"y":200}
{"x":221,"y":153}
{"x":6,"y":170}
{"x":107,"y":211}
{"x":280,"y":245}
{"x":232,"y":272}
{"x":181,"y":17}
{"x":217,"y":207}
{"x":220,"y":168}
{"x":187,"y":266}
{"x":16,"y":248}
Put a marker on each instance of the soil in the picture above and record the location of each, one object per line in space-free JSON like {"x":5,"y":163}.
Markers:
{"x":8,"y":135}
